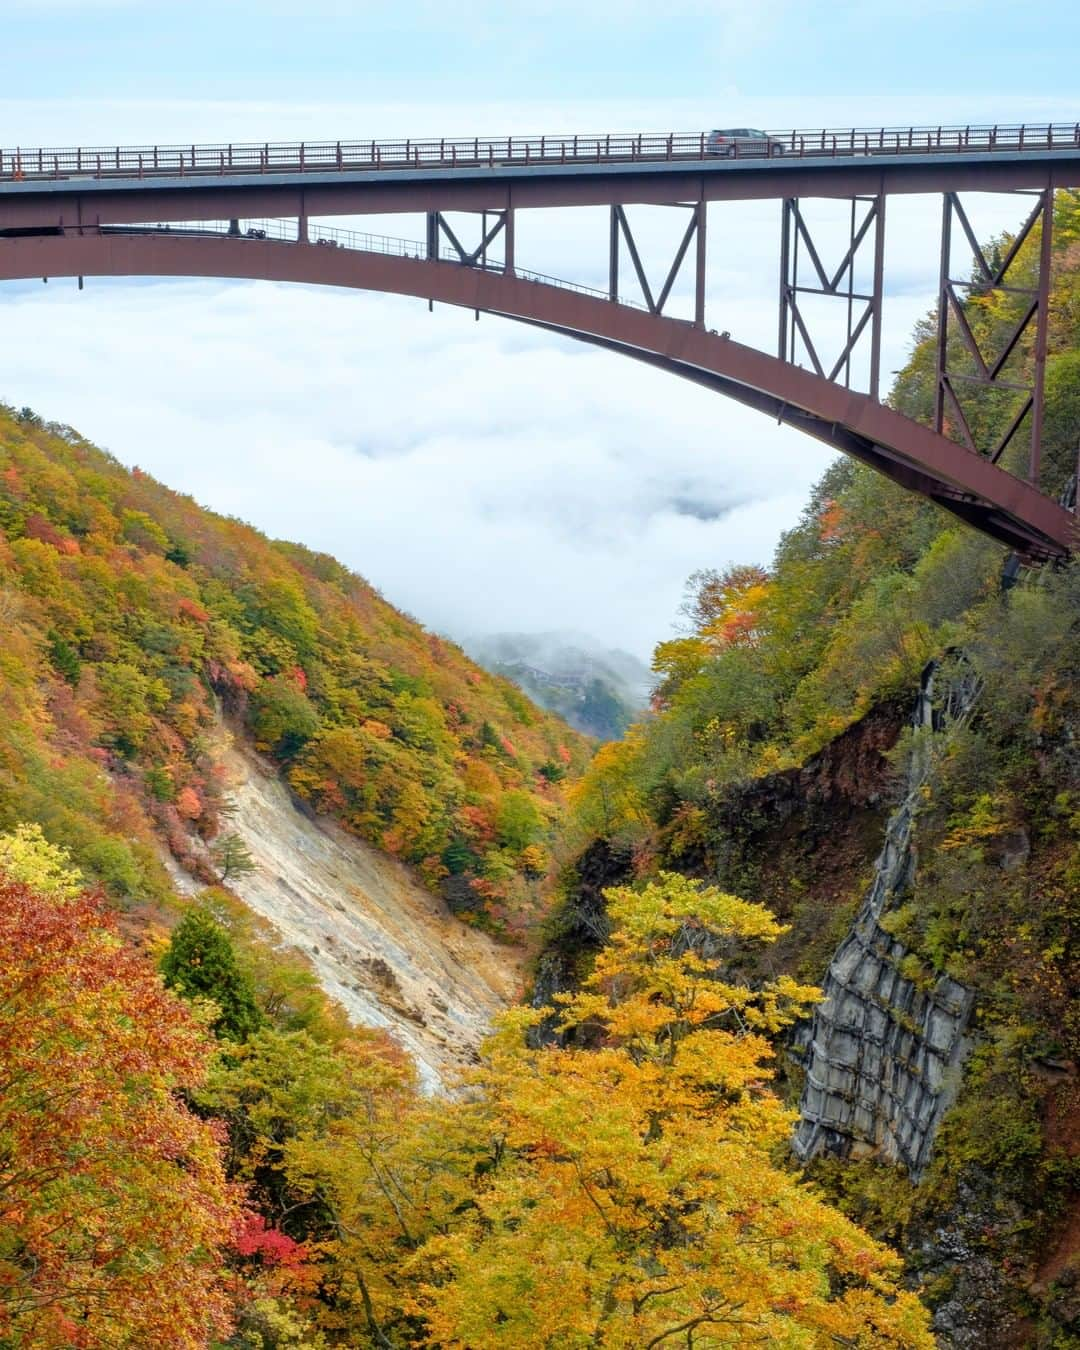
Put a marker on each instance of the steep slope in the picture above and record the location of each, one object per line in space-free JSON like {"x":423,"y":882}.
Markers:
{"x":382,"y":945}
{"x":131,"y":616}
{"x":391,"y":773}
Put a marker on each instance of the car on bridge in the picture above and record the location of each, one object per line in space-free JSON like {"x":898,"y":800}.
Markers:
{"x":742,"y":141}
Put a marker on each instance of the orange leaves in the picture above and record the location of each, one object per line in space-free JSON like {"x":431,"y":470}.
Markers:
{"x":187,"y":608}
{"x":735,"y":602}
{"x":830,"y":520}
{"x":189,"y":804}
{"x":479,"y":823}
{"x":115,"y":1205}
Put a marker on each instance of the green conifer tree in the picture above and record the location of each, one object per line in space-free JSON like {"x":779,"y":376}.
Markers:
{"x":200,"y":963}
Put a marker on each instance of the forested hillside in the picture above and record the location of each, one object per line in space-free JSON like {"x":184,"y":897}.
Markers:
{"x":200,"y":1166}
{"x":133,"y":619}
{"x":197,"y":1150}
{"x":224,"y":1161}
{"x":775,"y":749}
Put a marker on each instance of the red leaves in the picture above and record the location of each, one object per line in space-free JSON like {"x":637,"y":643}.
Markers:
{"x":255,"y":1238}
{"x":37,"y":527}
{"x":114,"y":1204}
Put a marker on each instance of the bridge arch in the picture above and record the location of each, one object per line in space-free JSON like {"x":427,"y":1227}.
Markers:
{"x":960,"y":480}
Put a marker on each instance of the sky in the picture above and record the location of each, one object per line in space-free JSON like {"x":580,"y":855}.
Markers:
{"x":485,"y":476}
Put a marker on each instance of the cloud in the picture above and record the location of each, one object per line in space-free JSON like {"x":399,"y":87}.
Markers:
{"x":482,"y":475}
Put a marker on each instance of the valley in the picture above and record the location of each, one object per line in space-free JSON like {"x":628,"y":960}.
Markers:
{"x":386,"y":992}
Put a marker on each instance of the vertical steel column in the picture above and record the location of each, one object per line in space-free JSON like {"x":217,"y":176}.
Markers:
{"x":433,"y":236}
{"x":943,"y":312}
{"x":1041,"y":326}
{"x":508,"y":240}
{"x":785,"y":274}
{"x":878,"y":292}
{"x":850,"y":293}
{"x":700,"y":211}
{"x":613,"y":258}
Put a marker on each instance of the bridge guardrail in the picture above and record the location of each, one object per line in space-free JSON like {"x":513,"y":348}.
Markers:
{"x":284,"y":231}
{"x":269,"y":157}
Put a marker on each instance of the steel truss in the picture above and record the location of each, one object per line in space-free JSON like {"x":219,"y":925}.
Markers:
{"x":501,"y":223}
{"x":984,"y":372}
{"x":621,"y":234}
{"x":863,"y":309}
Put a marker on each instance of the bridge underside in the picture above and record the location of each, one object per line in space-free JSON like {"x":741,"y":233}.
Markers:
{"x":958,"y":479}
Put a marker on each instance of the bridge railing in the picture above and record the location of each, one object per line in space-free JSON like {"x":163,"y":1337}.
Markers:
{"x":269,"y":157}
{"x":285,"y":231}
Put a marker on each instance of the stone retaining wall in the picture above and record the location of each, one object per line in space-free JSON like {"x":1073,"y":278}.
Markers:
{"x":883,"y":1056}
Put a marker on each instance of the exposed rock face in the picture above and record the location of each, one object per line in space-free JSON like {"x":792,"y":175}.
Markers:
{"x":802,"y":841}
{"x":383,"y":946}
{"x":882,"y":1055}
{"x":580,"y":929}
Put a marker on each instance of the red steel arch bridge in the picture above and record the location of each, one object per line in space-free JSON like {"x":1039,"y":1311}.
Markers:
{"x":249,"y":211}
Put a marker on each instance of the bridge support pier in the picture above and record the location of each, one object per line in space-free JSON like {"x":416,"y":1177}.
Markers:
{"x":962,"y":363}
{"x":863,"y":309}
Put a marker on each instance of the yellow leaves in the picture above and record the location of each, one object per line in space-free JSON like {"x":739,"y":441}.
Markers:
{"x":660,"y":908}
{"x":679,"y":659}
{"x":608,"y":1191}
{"x":609,"y":798}
{"x":26,"y":856}
{"x":980,"y":823}
{"x":635,"y":1177}
{"x":533,"y":860}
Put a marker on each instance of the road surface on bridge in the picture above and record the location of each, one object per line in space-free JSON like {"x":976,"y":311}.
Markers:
{"x":117,"y":183}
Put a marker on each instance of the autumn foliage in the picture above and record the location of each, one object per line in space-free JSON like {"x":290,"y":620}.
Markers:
{"x":133,"y":619}
{"x":622,"y":1189}
{"x":635,"y":1200}
{"x":114,"y":1209}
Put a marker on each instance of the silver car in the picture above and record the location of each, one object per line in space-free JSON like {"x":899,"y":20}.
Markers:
{"x":742,"y":141}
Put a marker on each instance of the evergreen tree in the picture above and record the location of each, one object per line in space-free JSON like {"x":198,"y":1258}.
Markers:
{"x":233,"y":857}
{"x":200,"y":963}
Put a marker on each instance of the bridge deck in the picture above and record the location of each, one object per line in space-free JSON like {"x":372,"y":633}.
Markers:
{"x":349,"y":176}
